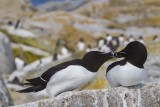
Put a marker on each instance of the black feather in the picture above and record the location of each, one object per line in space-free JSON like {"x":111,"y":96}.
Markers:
{"x":27,"y":84}
{"x":36,"y":81}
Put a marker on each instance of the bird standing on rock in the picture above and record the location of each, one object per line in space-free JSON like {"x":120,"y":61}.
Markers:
{"x":69,"y":75}
{"x":130,"y":70}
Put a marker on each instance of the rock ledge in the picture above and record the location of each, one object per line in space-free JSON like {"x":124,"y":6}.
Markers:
{"x":146,"y":96}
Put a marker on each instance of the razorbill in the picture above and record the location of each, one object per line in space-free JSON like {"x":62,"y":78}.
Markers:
{"x":108,"y":38}
{"x":81,"y":45}
{"x":130,"y":70}
{"x":89,"y":48}
{"x":64,"y":50}
{"x":69,"y":75}
{"x":101,"y":42}
{"x":105,"y":47}
{"x":114,"y":44}
{"x":141,"y":39}
{"x":121,"y":39}
{"x":131,"y":39}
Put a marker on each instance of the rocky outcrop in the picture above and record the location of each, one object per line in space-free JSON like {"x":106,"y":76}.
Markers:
{"x":5,"y":99}
{"x":60,"y":5}
{"x":138,"y":96}
{"x":7,"y":64}
{"x":152,"y":66}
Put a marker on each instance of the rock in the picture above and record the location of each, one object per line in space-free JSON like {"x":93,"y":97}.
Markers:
{"x":5,"y":99}
{"x":66,"y":5}
{"x":152,"y":66}
{"x":138,"y":96}
{"x":7,"y":64}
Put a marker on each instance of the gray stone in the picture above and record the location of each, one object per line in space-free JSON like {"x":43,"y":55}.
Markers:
{"x":5,"y":99}
{"x":137,"y":96}
{"x":152,"y":66}
{"x":7,"y":64}
{"x":61,"y":5}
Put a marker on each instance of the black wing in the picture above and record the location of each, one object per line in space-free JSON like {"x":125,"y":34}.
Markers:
{"x":39,"y":83}
{"x":50,"y":72}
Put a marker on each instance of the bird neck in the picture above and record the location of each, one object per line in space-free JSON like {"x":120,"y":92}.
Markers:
{"x":93,"y":64}
{"x":135,"y":63}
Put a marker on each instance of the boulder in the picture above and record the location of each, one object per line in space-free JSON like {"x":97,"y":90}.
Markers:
{"x":5,"y":99}
{"x":138,"y":96}
{"x":7,"y":64}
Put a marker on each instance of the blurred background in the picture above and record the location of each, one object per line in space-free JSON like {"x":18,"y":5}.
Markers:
{"x":38,"y":34}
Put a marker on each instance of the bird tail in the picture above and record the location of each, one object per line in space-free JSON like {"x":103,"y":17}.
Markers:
{"x":36,"y":84}
{"x":35,"y":88}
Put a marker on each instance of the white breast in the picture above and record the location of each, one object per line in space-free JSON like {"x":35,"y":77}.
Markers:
{"x":64,"y":51}
{"x":109,"y":38}
{"x":121,"y":39}
{"x":81,"y":46}
{"x":104,"y":48}
{"x":68,"y":79}
{"x":126,"y":75}
{"x":131,"y":39}
{"x":100,"y":43}
{"x":142,"y":41}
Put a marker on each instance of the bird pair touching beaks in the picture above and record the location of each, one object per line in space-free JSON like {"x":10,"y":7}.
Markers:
{"x":72,"y":74}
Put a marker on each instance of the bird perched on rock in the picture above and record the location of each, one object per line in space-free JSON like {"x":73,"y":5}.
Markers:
{"x":130,"y":70}
{"x":69,"y":75}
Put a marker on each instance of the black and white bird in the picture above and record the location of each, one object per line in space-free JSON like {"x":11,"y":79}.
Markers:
{"x":131,"y":39}
{"x":89,"y":48}
{"x":69,"y":75}
{"x":81,"y":44}
{"x":130,"y":70}
{"x":121,"y":39}
{"x":105,"y":47}
{"x":108,"y":38}
{"x":140,"y":39}
{"x":101,"y":42}
{"x":114,"y":44}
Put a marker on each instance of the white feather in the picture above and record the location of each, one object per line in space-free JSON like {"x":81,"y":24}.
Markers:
{"x":105,"y":48}
{"x":64,"y":51}
{"x":121,"y":39}
{"x":81,"y":46}
{"x":127,"y":75}
{"x":100,"y":43}
{"x":109,"y":38}
{"x":67,"y":79}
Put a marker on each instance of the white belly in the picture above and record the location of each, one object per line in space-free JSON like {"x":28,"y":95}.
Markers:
{"x":68,"y":79}
{"x":126,"y":75}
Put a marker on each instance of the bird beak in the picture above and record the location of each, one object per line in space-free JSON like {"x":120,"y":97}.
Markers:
{"x":120,"y":54}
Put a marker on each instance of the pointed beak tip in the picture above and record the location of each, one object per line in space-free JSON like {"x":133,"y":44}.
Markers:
{"x":120,"y":54}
